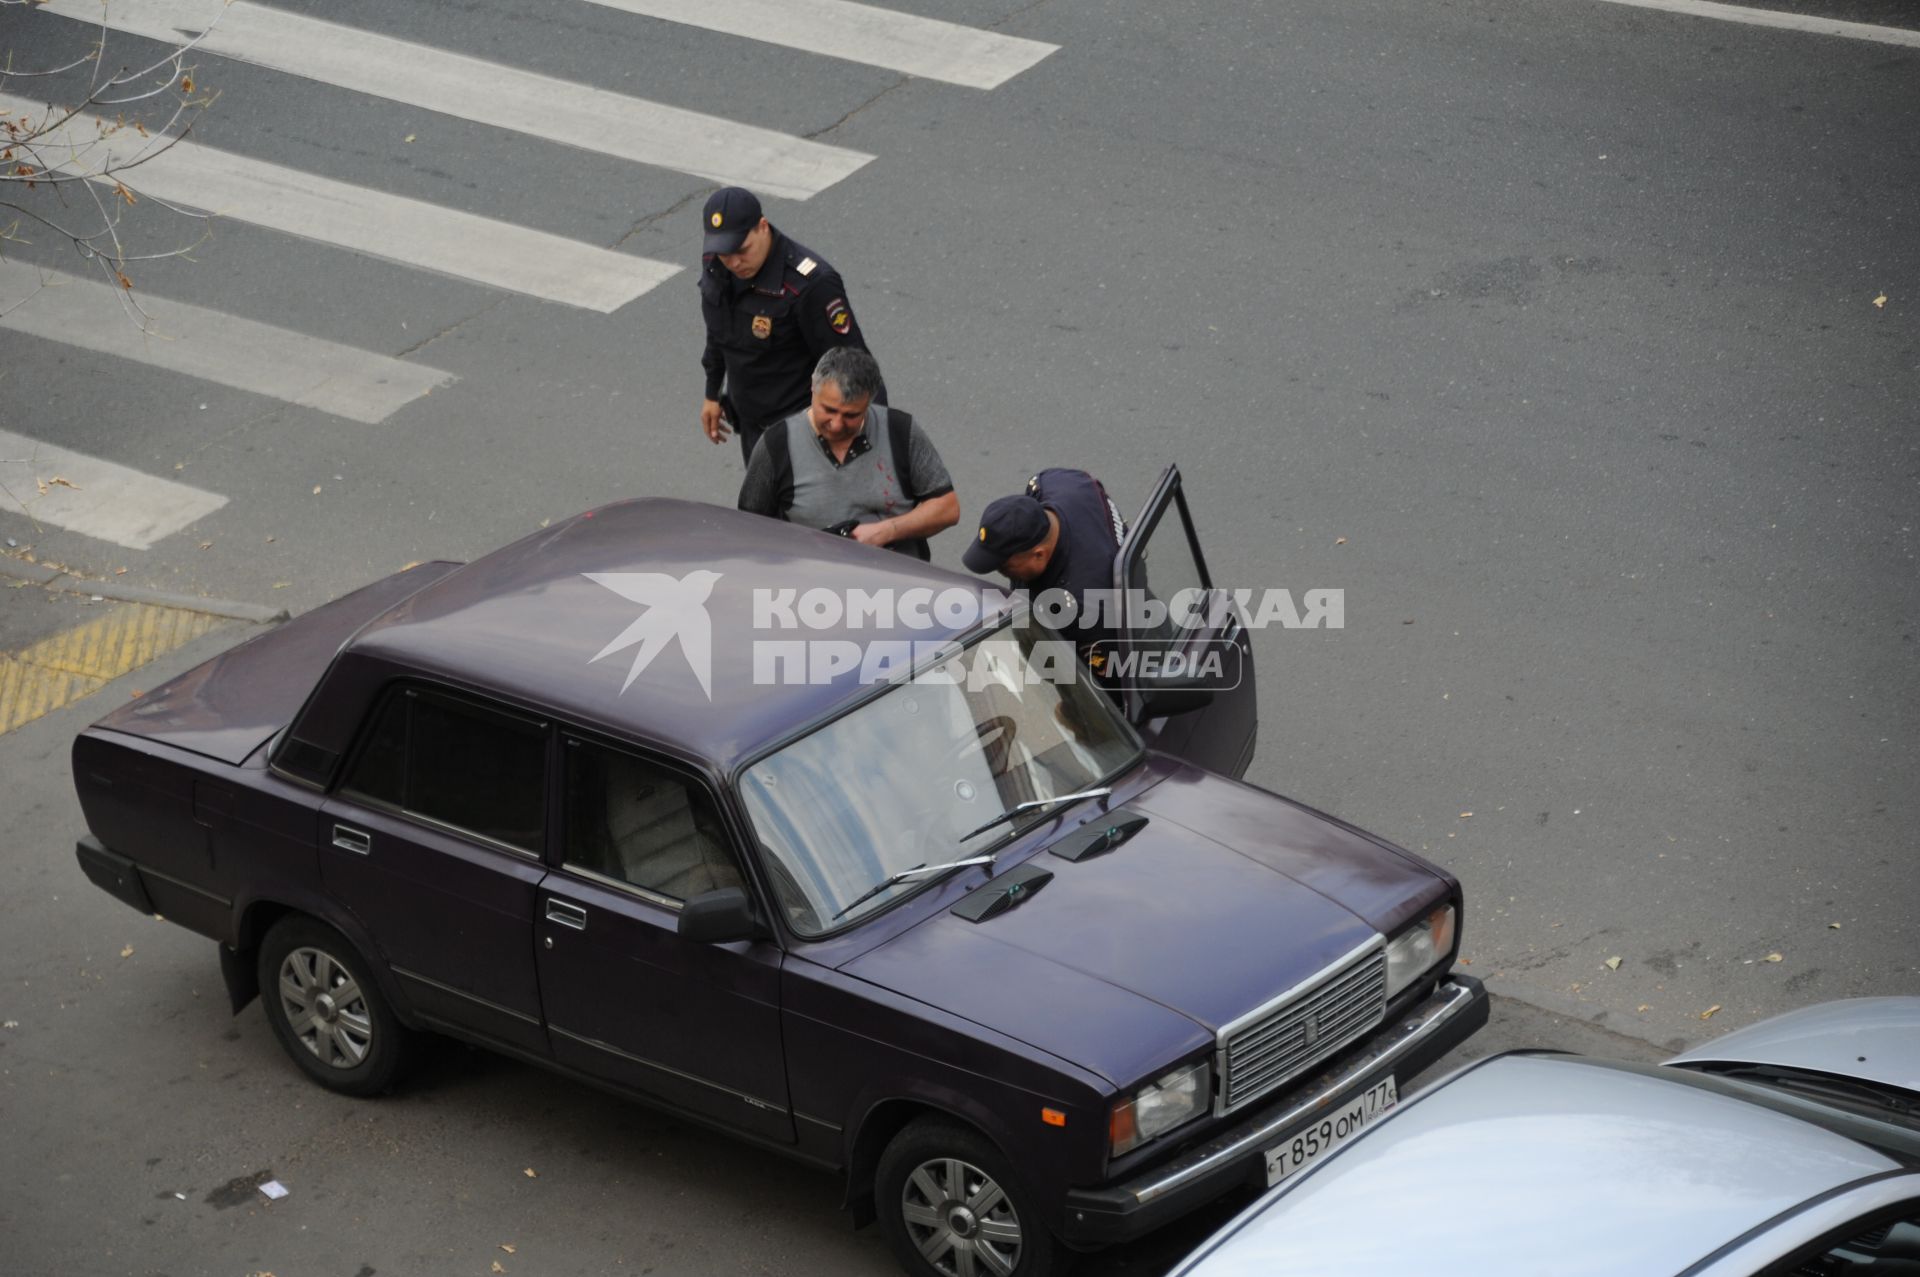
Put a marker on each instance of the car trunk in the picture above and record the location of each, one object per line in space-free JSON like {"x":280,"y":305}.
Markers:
{"x":230,"y":706}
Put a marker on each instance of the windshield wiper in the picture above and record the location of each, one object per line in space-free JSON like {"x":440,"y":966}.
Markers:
{"x":894,"y":880}
{"x":1019,"y":809}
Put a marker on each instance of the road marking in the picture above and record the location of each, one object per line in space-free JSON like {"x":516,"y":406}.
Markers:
{"x":1775,"y":18}
{"x":490,"y":93}
{"x":80,"y":661}
{"x":411,"y":232}
{"x":309,"y":371}
{"x":99,"y":498}
{"x":925,"y":47}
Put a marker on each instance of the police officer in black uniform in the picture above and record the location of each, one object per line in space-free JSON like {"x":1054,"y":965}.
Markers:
{"x":772,"y":308}
{"x":1062,"y":533}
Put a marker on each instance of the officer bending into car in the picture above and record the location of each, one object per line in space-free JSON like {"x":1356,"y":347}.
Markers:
{"x":772,"y":307}
{"x":851,"y":465}
{"x":1063,"y":533}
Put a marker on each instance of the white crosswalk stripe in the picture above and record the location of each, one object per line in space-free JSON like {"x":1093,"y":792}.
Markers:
{"x":85,"y":494}
{"x":411,"y":232}
{"x":490,"y":93}
{"x":924,"y":47}
{"x":318,"y":374}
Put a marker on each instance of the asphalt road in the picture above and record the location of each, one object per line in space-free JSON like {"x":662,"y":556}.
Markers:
{"x":1575,"y":342}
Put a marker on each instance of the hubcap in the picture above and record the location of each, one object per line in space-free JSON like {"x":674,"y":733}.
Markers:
{"x":961,"y":1221}
{"x":325,"y":1007}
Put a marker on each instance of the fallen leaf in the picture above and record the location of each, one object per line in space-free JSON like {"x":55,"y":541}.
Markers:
{"x":1643,"y":1007}
{"x":1466,"y":962}
{"x":1339,"y":540}
{"x":1881,"y":301}
{"x":281,"y":585}
{"x":507,"y":1246}
{"x":1708,"y":1013}
{"x":127,"y":952}
{"x":1776,"y":957}
{"x":1465,"y":814}
{"x":61,"y":481}
{"x":206,"y":545}
{"x":530,"y":1173}
{"x":1613,"y":964}
{"x":9,"y":1024}
{"x":316,"y":489}
{"x":1833,"y":926}
{"x":497,"y":1268}
{"x":410,"y":137}
{"x":272,"y":539}
{"x":119,"y":571}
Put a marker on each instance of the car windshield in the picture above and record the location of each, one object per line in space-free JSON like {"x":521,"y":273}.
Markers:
{"x":902,"y":780}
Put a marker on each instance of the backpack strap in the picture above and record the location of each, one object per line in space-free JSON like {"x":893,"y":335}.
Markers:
{"x":900,"y":440}
{"x":778,"y":442}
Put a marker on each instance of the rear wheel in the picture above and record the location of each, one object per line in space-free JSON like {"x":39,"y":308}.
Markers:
{"x":950,"y":1207}
{"x":327,"y":1011}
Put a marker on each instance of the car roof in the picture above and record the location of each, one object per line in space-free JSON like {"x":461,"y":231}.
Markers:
{"x":1873,"y":1039}
{"x":1535,"y":1164}
{"x":528,"y":622}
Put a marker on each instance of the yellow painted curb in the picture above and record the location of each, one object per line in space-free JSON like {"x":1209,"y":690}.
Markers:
{"x":78,"y":662}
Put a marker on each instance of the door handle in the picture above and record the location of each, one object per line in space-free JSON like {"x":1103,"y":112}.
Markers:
{"x":356,"y":841}
{"x":566,"y":915}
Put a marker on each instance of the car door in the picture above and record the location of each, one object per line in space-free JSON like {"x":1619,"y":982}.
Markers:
{"x":433,"y":840}
{"x":627,"y":998}
{"x":1177,"y":627}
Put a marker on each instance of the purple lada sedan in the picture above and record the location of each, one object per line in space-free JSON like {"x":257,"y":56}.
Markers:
{"x":807,"y":842}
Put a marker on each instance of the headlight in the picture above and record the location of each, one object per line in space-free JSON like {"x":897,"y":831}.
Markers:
{"x":1161,"y":1105}
{"x":1412,"y":953}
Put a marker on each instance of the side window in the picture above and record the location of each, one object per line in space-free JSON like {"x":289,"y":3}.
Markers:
{"x":640,"y":824}
{"x":457,"y":764}
{"x":1166,"y":567}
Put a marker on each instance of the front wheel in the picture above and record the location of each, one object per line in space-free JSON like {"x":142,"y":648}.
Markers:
{"x":950,"y":1207}
{"x":326,"y":1010}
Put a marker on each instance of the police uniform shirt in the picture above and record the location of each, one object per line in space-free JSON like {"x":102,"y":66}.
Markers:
{"x":1090,"y":533}
{"x":765,"y":334}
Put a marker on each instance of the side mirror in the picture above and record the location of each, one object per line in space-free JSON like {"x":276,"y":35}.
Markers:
{"x":719,"y":917}
{"x":1165,"y":697}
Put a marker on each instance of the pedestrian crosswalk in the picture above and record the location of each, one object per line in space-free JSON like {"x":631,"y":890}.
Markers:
{"x":125,"y":508}
{"x":491,"y":93}
{"x":311,"y":372}
{"x":376,"y":223}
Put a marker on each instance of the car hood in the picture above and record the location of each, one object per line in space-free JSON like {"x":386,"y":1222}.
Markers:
{"x":1126,"y":961}
{"x":1873,"y":1039}
{"x":228,"y":707}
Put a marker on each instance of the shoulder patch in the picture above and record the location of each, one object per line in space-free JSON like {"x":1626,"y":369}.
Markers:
{"x":806,"y":266}
{"x":839,"y":318}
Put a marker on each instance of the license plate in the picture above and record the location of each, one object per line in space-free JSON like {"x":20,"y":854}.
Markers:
{"x":1331,"y":1131}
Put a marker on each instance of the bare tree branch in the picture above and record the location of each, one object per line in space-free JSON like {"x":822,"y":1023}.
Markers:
{"x":98,"y":134}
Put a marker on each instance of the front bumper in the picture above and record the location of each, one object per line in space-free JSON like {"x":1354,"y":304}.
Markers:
{"x":1238,"y":1155}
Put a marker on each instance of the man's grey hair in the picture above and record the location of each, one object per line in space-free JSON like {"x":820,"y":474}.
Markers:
{"x":853,"y":370}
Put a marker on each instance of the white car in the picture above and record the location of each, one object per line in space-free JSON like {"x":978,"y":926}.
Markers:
{"x":1787,"y":1149}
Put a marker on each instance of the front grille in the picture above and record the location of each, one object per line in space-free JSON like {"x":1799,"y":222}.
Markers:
{"x":1279,"y":1043}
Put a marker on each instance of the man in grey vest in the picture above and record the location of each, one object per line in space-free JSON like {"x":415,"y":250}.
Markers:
{"x":848,"y":465}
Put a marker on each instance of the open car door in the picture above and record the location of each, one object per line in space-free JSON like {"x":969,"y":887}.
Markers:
{"x":1184,"y":659}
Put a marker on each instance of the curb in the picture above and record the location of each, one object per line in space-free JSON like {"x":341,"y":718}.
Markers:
{"x":70,"y":583}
